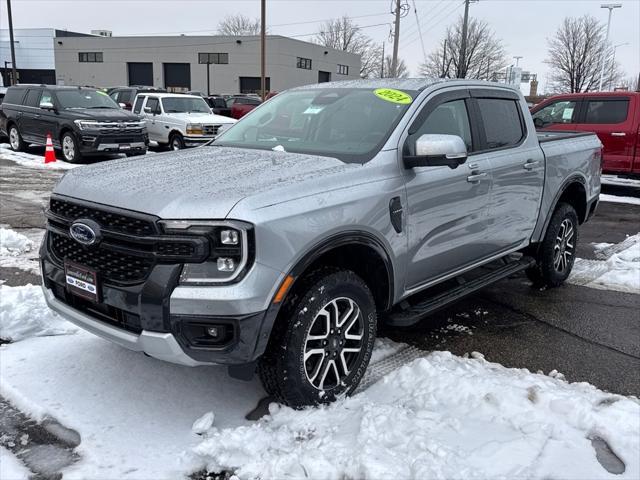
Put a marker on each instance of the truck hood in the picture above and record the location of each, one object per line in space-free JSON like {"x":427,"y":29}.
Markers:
{"x":198,"y":117}
{"x":104,"y":114}
{"x":202,"y":183}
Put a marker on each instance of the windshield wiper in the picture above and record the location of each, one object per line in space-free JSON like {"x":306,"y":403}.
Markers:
{"x":101,"y":106}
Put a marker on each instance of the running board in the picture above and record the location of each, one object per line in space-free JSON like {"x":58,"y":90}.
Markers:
{"x":414,"y":313}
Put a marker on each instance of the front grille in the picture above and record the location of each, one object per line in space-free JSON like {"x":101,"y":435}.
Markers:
{"x":210,"y":129}
{"x":121,"y":139}
{"x":113,"y":221}
{"x":113,"y":266}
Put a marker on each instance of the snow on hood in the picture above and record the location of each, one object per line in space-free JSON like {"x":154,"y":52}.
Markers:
{"x":202,"y":117}
{"x":203,"y":183}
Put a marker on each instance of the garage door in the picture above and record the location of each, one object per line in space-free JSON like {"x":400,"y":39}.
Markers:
{"x":177,"y":77}
{"x":252,"y":84}
{"x":140,"y":73}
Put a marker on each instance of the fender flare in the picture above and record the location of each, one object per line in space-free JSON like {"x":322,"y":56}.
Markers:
{"x":575,"y":178}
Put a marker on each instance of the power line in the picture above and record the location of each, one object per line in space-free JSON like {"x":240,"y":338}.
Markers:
{"x":415,"y":10}
{"x":435,"y":19}
{"x":431,"y":27}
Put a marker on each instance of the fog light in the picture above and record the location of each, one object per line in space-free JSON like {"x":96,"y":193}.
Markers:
{"x":213,"y":332}
{"x":229,"y":237}
{"x":226,"y":264}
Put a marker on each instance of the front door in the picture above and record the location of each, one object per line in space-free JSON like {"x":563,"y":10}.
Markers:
{"x":447,"y":208}
{"x":155,"y":127}
{"x":48,"y":120}
{"x":518,"y":168}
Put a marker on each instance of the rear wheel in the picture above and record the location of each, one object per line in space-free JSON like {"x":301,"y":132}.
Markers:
{"x":556,"y":253}
{"x":70,"y":150}
{"x":15,"y":139}
{"x":322,"y":343}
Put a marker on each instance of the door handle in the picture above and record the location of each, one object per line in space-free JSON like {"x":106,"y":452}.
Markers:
{"x":618,"y":134}
{"x":37,"y":115}
{"x":473,"y":166}
{"x":530,"y":164}
{"x":476,"y":177}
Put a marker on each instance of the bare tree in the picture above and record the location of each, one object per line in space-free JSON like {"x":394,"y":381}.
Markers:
{"x":234,"y":25}
{"x":485,"y":53}
{"x":401,"y":68}
{"x":575,"y":53}
{"x":343,"y":34}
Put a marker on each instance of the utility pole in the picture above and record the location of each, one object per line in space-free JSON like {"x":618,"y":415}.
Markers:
{"x":382,"y":63}
{"x":263,"y":35}
{"x":462,"y":70}
{"x":396,"y":41}
{"x":14,"y":78}
{"x":605,"y":50}
{"x":444,"y":59}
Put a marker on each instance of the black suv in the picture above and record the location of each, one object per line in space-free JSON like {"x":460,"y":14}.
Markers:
{"x":124,"y":96}
{"x":81,"y":121}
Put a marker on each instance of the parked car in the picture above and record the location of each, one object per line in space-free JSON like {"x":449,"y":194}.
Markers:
{"x":124,"y":96}
{"x":82,"y":121}
{"x":218,"y":105}
{"x":179,"y":121}
{"x":290,"y":239}
{"x":613,"y":116}
{"x":240,"y":106}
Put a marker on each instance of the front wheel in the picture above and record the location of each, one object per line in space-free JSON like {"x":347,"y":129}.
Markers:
{"x":176,"y":142}
{"x":70,"y":150}
{"x":322,"y":343}
{"x":556,"y":254}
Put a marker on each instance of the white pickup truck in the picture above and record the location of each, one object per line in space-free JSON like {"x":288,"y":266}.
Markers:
{"x":179,"y":121}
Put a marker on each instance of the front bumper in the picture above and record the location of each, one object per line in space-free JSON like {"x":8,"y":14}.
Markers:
{"x":196,"y":140}
{"x":91,"y":142}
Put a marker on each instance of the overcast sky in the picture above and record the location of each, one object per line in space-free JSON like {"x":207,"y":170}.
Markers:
{"x":524,"y":25}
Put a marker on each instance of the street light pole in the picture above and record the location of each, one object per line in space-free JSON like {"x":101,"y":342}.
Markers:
{"x":14,"y":78}
{"x":263,"y":35}
{"x":609,"y":6}
{"x":613,"y":61}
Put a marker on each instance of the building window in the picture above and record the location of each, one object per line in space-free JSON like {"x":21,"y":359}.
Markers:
{"x":343,"y":69}
{"x":304,"y":63}
{"x":91,"y":57}
{"x":216,"y":58}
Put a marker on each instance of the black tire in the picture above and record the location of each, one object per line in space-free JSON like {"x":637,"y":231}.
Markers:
{"x":176,"y":142}
{"x":551,"y":270}
{"x":15,"y":139}
{"x":70,"y":151}
{"x":283,"y":370}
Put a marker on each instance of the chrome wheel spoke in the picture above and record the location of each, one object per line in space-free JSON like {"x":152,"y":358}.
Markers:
{"x":314,"y":351}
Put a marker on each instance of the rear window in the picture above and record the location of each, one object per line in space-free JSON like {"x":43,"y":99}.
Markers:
{"x":32,"y":98}
{"x":501,"y":120}
{"x":14,"y":95}
{"x":607,"y":111}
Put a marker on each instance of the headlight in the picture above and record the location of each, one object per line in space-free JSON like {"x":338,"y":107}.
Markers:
{"x":230,"y":250}
{"x":194,"y":129}
{"x":87,"y":124}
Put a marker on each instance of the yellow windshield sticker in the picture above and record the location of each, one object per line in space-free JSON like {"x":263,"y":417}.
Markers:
{"x":102,"y":93}
{"x":394,"y":96}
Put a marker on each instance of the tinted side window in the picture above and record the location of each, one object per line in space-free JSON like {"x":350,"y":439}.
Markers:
{"x":607,"y":111}
{"x":32,"y":98}
{"x":562,"y":111}
{"x":450,"y":118}
{"x":501,"y":120}
{"x":138,"y":106}
{"x":154,"y":105}
{"x":14,"y":95}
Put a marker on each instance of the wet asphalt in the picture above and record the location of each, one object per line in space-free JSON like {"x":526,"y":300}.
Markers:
{"x":586,"y":334}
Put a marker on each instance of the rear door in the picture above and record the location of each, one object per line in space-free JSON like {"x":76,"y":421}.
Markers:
{"x":517,"y":167}
{"x":447,"y":208}
{"x":29,"y":123}
{"x":611,"y":118}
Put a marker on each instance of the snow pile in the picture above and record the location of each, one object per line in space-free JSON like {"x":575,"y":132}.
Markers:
{"x":439,"y":417}
{"x":619,"y":270}
{"x":620,"y":181}
{"x":24,"y":314}
{"x":33,"y":161}
{"x":11,"y":468}
{"x":604,"y":197}
{"x":13,"y":243}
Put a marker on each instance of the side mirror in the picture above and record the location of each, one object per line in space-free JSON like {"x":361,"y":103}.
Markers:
{"x":147,"y":110}
{"x":538,"y":122}
{"x":122,"y":105}
{"x":47,"y":106}
{"x":437,"y":150}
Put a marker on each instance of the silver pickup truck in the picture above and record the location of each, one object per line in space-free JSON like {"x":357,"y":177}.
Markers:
{"x":328,"y":210}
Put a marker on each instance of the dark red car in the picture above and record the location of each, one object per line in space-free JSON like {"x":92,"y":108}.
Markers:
{"x":240,"y":106}
{"x":613,"y":116}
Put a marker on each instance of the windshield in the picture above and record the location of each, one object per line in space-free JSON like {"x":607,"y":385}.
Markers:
{"x":346,"y":123}
{"x":69,"y":99}
{"x":185,"y":105}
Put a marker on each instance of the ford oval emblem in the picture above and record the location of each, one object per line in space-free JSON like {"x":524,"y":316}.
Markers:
{"x":83,"y":233}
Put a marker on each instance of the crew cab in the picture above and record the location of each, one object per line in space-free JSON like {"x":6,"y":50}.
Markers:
{"x":613,"y":116}
{"x":81,"y":121}
{"x":330,"y":210}
{"x":179,"y":121}
{"x":241,"y":105}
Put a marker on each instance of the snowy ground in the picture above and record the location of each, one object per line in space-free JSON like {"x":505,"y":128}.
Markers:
{"x":32,"y":160}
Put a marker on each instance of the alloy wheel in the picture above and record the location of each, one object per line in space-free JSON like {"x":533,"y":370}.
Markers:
{"x":564,"y":246}
{"x":14,"y":138}
{"x":68,"y":148}
{"x":333,"y":343}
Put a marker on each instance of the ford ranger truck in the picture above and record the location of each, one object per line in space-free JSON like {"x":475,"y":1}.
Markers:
{"x":327,"y":211}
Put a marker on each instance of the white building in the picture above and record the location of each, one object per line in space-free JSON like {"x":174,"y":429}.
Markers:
{"x":180,"y":63}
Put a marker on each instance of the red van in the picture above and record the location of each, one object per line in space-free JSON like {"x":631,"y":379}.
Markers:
{"x":613,"y":116}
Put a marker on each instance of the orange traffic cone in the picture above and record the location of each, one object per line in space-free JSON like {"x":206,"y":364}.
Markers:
{"x":49,"y":154}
